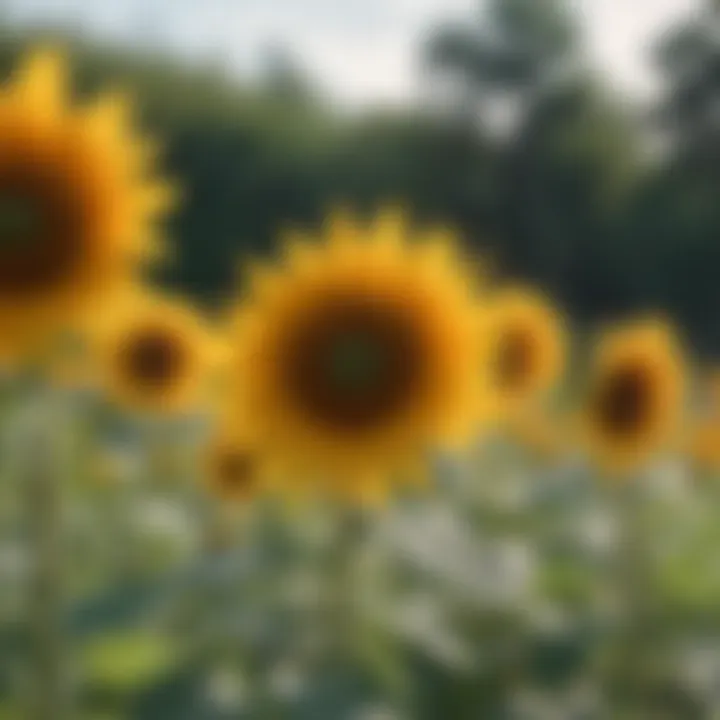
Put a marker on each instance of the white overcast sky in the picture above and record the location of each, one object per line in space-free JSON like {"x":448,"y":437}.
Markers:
{"x":361,"y":50}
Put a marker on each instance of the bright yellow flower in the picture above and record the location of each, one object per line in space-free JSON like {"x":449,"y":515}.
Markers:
{"x":359,"y":354}
{"x":231,"y":470}
{"x":636,"y":396}
{"x":155,"y":355}
{"x":528,"y":348}
{"x":703,"y":444}
{"x":79,"y":205}
{"x":702,"y":439}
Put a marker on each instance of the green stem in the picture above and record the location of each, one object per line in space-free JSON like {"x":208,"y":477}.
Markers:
{"x":344,"y":556}
{"x":46,"y":598}
{"x":634,"y":586}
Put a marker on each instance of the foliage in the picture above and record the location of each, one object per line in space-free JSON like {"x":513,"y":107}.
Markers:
{"x":570,"y":198}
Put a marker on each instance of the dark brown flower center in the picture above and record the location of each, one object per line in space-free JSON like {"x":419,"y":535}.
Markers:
{"x":153,"y":359}
{"x":353,"y":363}
{"x":42,"y":227}
{"x":515,"y":359}
{"x":624,"y":402}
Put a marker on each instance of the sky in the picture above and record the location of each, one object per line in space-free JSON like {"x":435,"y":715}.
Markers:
{"x":362,"y":51}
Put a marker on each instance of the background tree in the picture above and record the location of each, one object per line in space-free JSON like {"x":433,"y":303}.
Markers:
{"x":565,"y":196}
{"x":675,"y":221}
{"x":513,"y":51}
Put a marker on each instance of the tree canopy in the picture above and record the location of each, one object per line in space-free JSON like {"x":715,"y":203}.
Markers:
{"x":572,"y":198}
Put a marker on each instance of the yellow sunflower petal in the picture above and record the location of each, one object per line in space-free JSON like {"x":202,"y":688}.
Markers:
{"x":41,"y":83}
{"x":390,"y":229}
{"x":342,"y":231}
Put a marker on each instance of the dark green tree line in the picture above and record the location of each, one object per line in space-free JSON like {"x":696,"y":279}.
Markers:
{"x":566,"y":188}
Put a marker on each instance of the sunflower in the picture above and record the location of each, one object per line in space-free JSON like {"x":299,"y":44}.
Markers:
{"x":360,"y":353}
{"x":636,"y":396}
{"x":702,"y":439}
{"x":703,"y":444}
{"x":155,"y":354}
{"x":79,"y":206}
{"x":231,"y":469}
{"x":527,"y":348}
